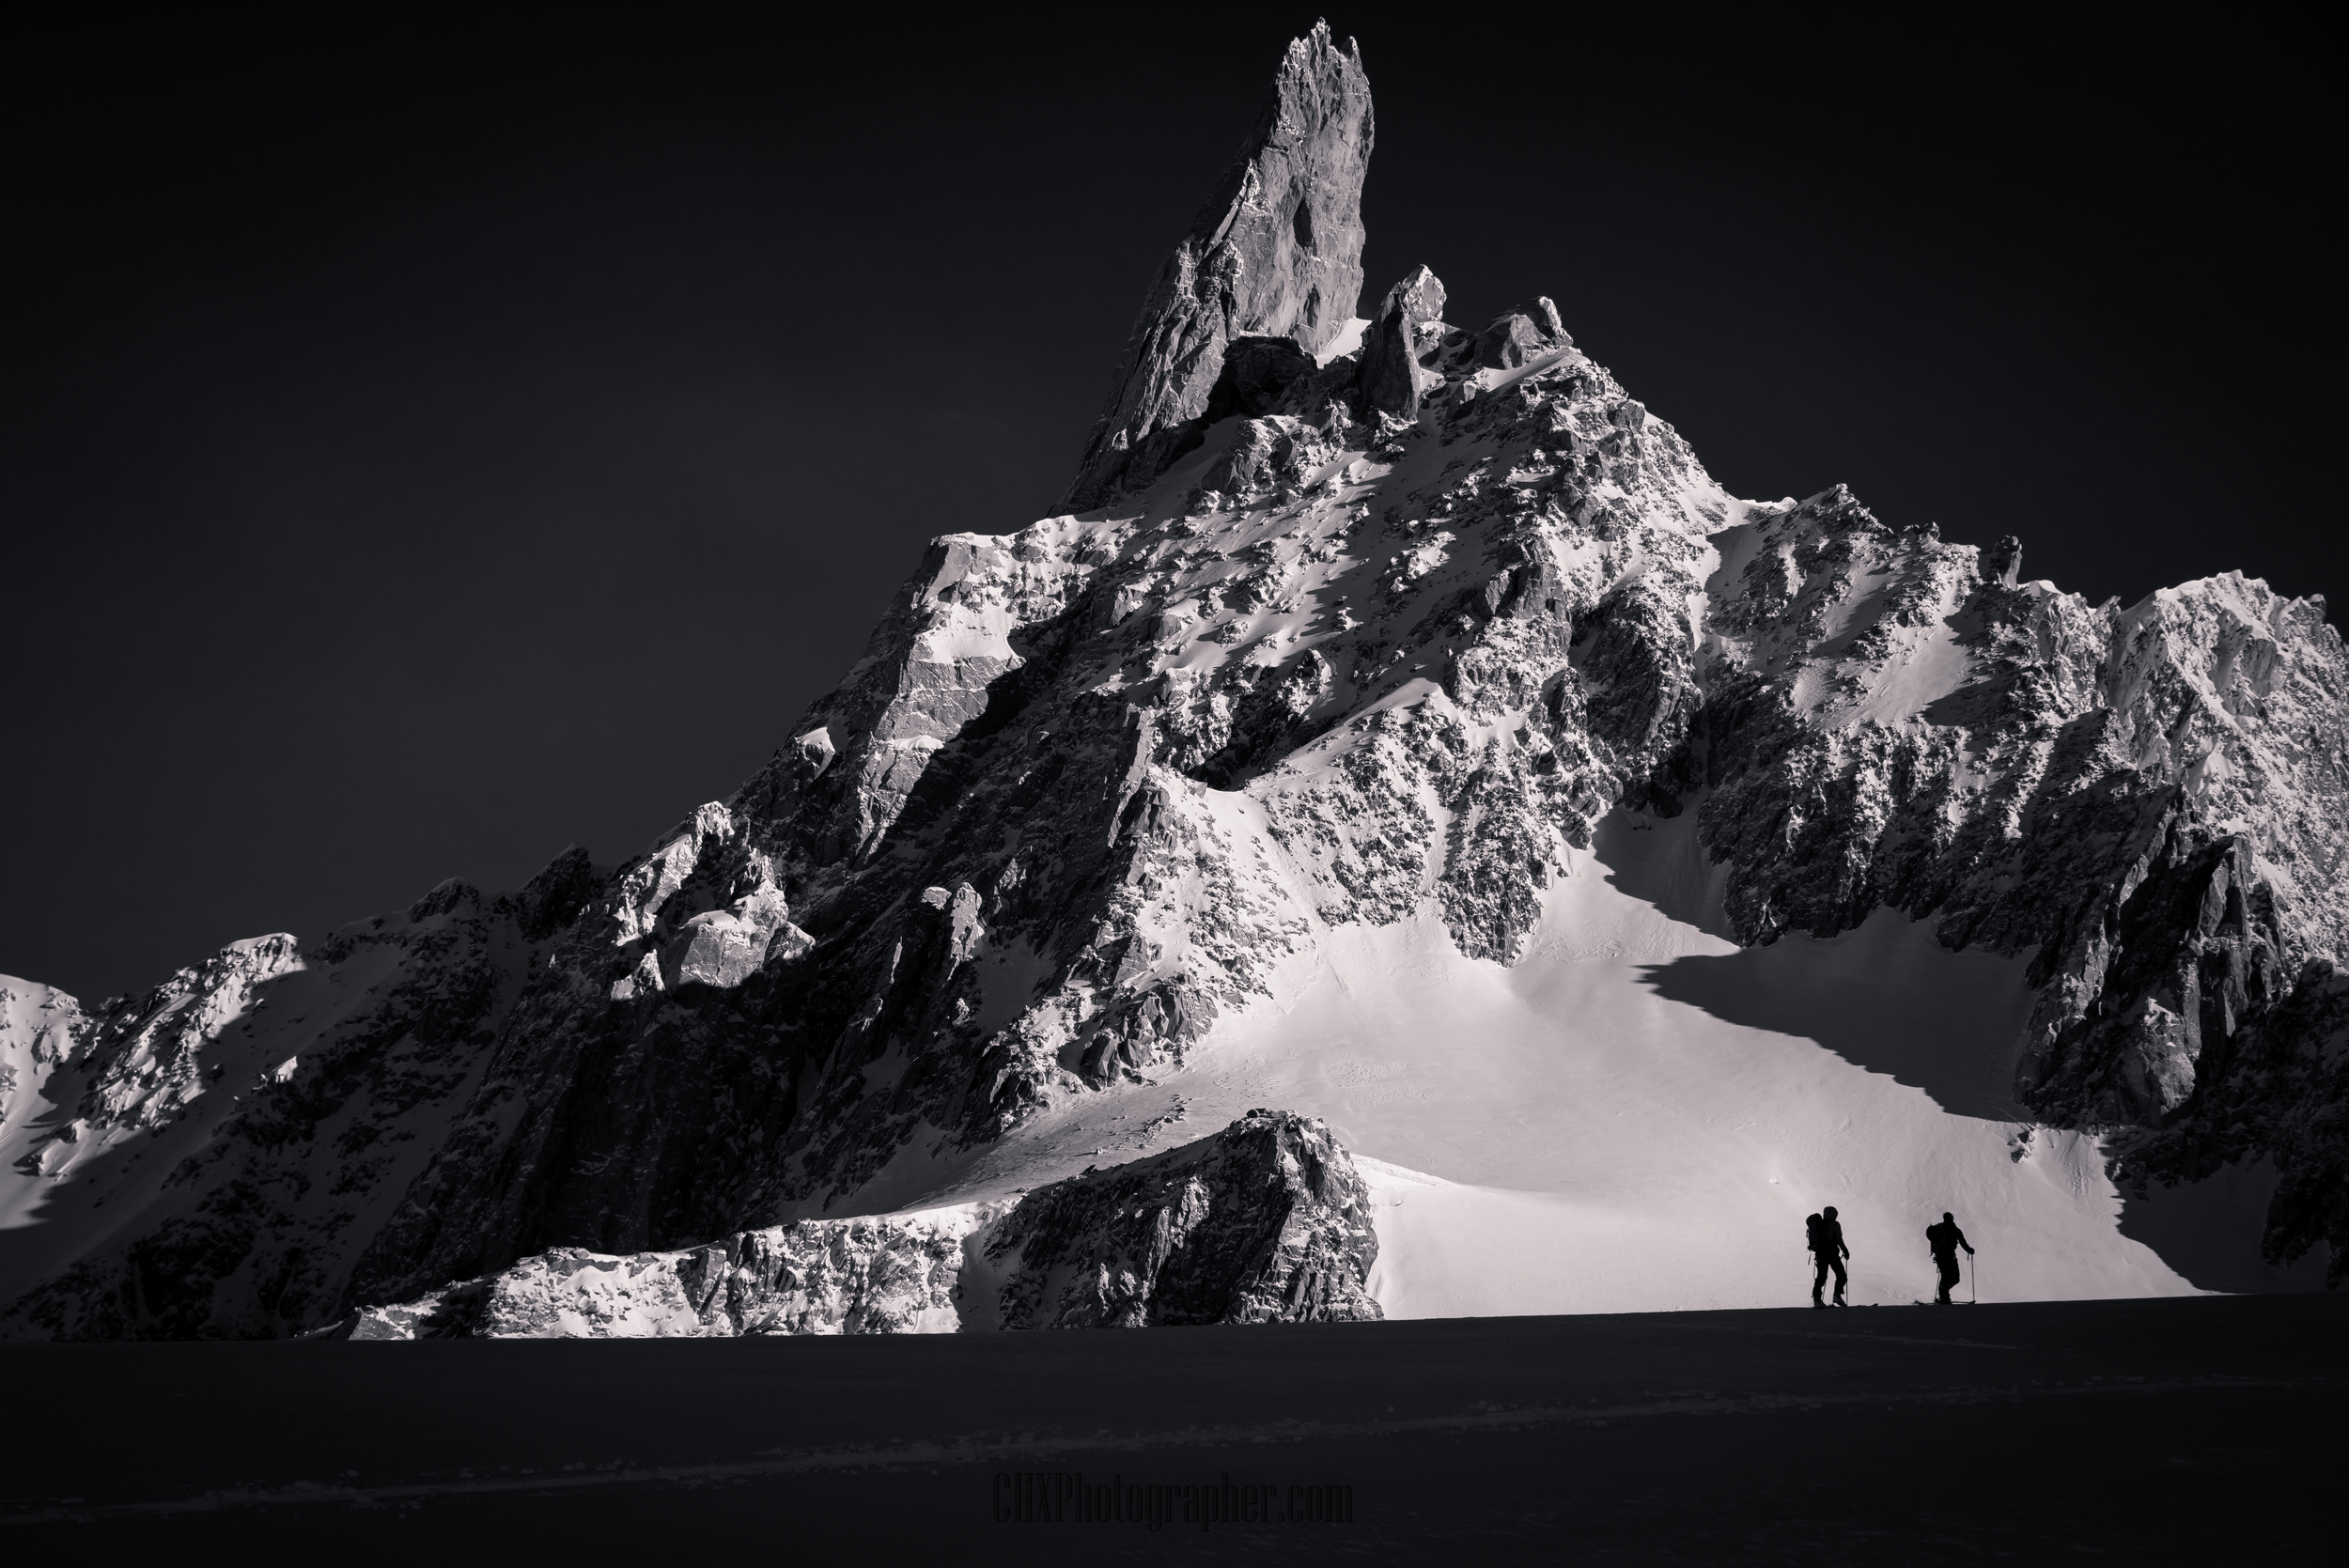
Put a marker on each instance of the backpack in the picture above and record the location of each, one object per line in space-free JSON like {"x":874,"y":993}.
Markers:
{"x":1811,"y":1231}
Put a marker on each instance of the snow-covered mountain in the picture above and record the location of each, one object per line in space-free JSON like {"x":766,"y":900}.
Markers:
{"x":1401,"y":729}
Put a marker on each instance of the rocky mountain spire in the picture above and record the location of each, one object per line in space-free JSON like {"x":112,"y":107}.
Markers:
{"x":1391,"y":378}
{"x":1445,"y":631}
{"x":1276,"y":251}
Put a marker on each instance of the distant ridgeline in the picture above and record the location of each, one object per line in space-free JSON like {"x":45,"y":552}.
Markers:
{"x":1347,"y":619}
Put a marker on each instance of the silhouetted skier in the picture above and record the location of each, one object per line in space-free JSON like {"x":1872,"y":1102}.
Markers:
{"x":1827,"y":1243}
{"x":1945,"y":1239}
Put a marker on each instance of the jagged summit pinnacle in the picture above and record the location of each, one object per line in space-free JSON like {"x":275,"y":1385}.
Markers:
{"x":1276,"y":251}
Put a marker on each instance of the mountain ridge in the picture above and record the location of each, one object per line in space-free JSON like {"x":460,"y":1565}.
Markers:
{"x":1370,"y":632}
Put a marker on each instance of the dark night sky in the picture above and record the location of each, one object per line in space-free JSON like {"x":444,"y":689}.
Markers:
{"x":431,"y":440}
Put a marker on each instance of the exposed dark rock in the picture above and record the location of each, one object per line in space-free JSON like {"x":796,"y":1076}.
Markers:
{"x":1256,"y":371}
{"x":1408,"y":322}
{"x":1265,"y":1223}
{"x":1522,"y":334}
{"x":2183,"y":953}
{"x":1270,"y":719}
{"x":2285,"y":1095}
{"x":2199,"y":1051}
{"x":2002,"y":562}
{"x":1139,"y":1033}
{"x":554,"y":898}
{"x":241,"y":1128}
{"x":896,"y":1275}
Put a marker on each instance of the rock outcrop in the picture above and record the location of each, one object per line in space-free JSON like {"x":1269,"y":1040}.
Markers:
{"x":1264,"y":1222}
{"x":257,"y":1113}
{"x":1267,"y":1222}
{"x":1406,"y":330}
{"x":897,"y":1275}
{"x":1276,"y":251}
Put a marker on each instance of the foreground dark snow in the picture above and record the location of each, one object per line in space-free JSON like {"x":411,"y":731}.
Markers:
{"x":2175,"y":1431}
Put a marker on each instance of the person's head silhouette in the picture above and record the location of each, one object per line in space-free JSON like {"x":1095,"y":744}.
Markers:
{"x":1830,"y":1211}
{"x":1948,"y":1216}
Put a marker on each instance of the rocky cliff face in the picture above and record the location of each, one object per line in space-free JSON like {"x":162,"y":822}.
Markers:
{"x":1265,"y":1223}
{"x":1378,"y":631}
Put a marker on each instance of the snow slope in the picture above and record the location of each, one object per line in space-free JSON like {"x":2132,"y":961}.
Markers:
{"x":1637,"y":1114}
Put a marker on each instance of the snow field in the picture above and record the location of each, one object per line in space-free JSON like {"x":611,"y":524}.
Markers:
{"x":1637,"y":1114}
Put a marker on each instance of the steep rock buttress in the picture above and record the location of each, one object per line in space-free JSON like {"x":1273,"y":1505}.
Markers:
{"x":1276,"y":253}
